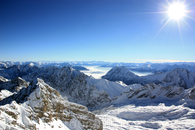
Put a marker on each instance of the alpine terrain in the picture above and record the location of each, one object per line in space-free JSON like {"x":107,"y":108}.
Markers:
{"x":53,"y":97}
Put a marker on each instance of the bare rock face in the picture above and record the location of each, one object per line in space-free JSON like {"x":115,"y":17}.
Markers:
{"x":69,"y":82}
{"x":179,"y":77}
{"x":39,"y":104}
{"x":152,"y":93}
{"x":192,"y":94}
{"x":14,"y":85}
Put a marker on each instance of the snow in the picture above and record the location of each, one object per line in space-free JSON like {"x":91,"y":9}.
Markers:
{"x":178,"y":77}
{"x":148,"y":117}
{"x":112,"y":88}
{"x":5,"y":94}
{"x":23,"y":112}
{"x":121,"y":73}
{"x":44,"y":108}
{"x":134,"y":106}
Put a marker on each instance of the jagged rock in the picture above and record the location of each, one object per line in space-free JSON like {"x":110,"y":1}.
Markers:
{"x":69,"y":82}
{"x":178,"y":77}
{"x":39,"y":104}
{"x":154,"y":93}
{"x":192,"y":94}
{"x":14,"y":85}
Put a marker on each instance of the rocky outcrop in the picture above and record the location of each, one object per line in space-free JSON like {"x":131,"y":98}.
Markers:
{"x":152,"y":93}
{"x":68,"y":81}
{"x":2,"y":79}
{"x":40,"y":104}
{"x":14,"y":85}
{"x":73,"y":84}
{"x":190,"y":93}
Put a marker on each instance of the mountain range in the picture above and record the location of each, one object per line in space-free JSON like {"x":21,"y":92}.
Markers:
{"x":180,"y":77}
{"x":43,"y":97}
{"x":143,"y":67}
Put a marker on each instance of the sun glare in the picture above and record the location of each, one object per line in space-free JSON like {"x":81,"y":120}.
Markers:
{"x":176,"y":11}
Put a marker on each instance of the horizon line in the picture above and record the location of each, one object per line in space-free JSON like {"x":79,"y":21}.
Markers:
{"x":144,"y":61}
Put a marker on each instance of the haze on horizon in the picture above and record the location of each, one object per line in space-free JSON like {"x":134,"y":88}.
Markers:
{"x":96,"y":30}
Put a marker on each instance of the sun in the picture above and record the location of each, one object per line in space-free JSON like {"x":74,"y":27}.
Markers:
{"x":176,"y":11}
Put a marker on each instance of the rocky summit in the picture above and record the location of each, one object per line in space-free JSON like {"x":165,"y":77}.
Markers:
{"x":39,"y":106}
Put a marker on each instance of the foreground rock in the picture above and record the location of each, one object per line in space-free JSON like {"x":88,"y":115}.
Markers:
{"x":40,"y":106}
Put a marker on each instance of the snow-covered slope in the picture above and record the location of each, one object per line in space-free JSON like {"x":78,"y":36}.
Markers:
{"x":150,"y":107}
{"x":38,"y":106}
{"x":161,"y":116}
{"x":121,"y":73}
{"x":178,"y":77}
{"x":152,"y":94}
{"x":190,"y":68}
{"x":68,"y":81}
{"x":112,"y":88}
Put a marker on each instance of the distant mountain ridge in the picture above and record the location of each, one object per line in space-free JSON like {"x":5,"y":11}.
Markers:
{"x":9,"y":64}
{"x":143,"y":67}
{"x":178,"y":77}
{"x":32,"y":97}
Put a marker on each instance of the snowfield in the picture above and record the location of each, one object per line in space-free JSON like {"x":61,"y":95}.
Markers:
{"x":131,"y":117}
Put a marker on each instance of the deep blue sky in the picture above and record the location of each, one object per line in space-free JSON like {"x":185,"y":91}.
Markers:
{"x":83,"y":30}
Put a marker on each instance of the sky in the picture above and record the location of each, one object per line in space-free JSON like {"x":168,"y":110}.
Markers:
{"x":98,"y":30}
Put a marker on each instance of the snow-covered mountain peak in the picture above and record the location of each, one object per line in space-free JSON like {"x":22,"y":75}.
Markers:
{"x":121,"y":73}
{"x":178,"y":77}
{"x":122,"y":70}
{"x":40,"y":106}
